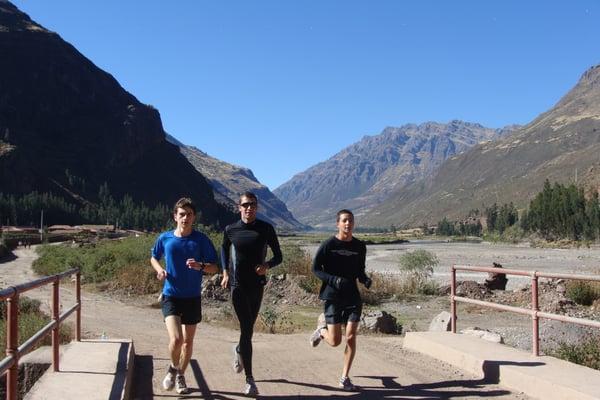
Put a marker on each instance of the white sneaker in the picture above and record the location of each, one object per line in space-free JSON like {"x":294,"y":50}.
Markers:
{"x":315,"y":338}
{"x":169,"y":381}
{"x":251,"y":389}
{"x":180,"y":385}
{"x":238,"y":365}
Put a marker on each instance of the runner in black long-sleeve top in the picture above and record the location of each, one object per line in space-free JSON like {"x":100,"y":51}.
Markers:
{"x":243,"y":256}
{"x":339,"y":263}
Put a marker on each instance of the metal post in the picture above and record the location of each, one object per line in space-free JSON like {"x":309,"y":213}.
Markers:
{"x":534,"y":317}
{"x":78,"y":302}
{"x":452,"y":300}
{"x":12,"y":344}
{"x":56,"y":329}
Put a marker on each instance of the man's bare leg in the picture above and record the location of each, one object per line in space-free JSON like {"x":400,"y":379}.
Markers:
{"x":173,"y":324}
{"x":187,"y":347}
{"x":333,"y":334}
{"x":350,"y":350}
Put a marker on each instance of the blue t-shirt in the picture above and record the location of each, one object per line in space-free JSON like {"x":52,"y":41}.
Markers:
{"x":183,"y":281}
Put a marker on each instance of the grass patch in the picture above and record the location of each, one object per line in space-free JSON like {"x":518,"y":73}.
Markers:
{"x":586,"y":353}
{"x":31,"y":320}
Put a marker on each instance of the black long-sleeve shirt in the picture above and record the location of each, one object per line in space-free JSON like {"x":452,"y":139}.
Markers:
{"x":340,"y":259}
{"x":245,"y":247}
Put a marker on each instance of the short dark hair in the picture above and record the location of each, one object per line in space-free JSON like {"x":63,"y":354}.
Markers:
{"x":343,"y":211}
{"x":249,"y":195}
{"x":184,"y":202}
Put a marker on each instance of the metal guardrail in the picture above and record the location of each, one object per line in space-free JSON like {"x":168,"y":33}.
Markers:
{"x":534,"y":311}
{"x":10,"y":364}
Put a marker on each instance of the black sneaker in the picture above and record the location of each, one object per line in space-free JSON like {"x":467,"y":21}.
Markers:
{"x":180,"y":385}
{"x":346,"y":384}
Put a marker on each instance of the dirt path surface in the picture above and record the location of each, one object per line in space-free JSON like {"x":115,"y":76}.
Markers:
{"x":285,"y":365}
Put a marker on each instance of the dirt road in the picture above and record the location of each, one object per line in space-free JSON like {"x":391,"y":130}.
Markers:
{"x":285,"y":366}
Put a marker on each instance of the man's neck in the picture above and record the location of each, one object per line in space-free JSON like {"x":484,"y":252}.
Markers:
{"x":344,"y":237}
{"x":182,"y":232}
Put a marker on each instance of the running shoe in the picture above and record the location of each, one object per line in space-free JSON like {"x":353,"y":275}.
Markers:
{"x":169,"y":381}
{"x":250,"y":389}
{"x":315,"y":338}
{"x":238,"y":365}
{"x":346,"y":384}
{"x":180,"y":385}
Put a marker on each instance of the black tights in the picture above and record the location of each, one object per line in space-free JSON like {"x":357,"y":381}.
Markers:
{"x":246,"y":303}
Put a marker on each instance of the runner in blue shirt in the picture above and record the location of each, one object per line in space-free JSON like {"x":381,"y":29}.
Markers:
{"x":188,"y":254}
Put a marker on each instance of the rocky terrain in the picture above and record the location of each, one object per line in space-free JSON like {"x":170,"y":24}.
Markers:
{"x":366,"y":173}
{"x":561,"y":145}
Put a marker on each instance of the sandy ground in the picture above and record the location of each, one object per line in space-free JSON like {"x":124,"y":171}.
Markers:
{"x":285,"y":366}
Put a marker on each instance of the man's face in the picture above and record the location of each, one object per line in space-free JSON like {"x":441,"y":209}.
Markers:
{"x":247,"y":209}
{"x":184,"y":217}
{"x":345,"y":224}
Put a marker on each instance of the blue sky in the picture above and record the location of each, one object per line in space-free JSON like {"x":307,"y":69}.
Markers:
{"x":278,"y":86}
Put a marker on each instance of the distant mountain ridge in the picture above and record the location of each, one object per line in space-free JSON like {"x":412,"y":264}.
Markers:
{"x":365,"y":173}
{"x":229,"y":180}
{"x":562,"y":144}
{"x":67,"y":127}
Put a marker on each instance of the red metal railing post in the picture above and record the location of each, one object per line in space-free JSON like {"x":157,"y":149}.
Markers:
{"x":534,"y":317}
{"x":78,"y":302}
{"x":12,"y":345}
{"x":56,"y":329}
{"x":453,"y":300}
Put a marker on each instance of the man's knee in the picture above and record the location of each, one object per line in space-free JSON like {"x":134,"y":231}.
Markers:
{"x":176,"y":341}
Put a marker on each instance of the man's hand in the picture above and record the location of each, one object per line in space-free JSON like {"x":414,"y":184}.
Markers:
{"x":161,"y":275}
{"x":340,"y":282}
{"x":262,"y":269}
{"x":225,"y":280}
{"x":193,"y":264}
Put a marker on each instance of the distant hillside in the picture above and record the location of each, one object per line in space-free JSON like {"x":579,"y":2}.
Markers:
{"x":367,"y":172}
{"x":229,"y":180}
{"x":562,"y":144}
{"x":67,"y":127}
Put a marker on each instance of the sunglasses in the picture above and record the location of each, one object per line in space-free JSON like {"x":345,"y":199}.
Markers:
{"x":251,"y":204}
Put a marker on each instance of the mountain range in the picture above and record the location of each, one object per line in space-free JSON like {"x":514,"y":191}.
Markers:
{"x":366,"y":173}
{"x":67,"y":127}
{"x":229,"y":181}
{"x":562,"y":145}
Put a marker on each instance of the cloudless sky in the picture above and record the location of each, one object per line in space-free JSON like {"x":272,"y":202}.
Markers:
{"x":278,"y":86}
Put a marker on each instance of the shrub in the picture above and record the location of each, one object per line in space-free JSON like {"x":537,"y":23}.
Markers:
{"x":384,"y":286}
{"x":417,"y":268}
{"x":296,"y":261}
{"x":273,"y":320}
{"x":586,"y":353}
{"x":582,"y":292}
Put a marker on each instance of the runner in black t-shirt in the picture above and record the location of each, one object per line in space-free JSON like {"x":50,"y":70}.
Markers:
{"x":243,"y":256}
{"x":339,"y":262}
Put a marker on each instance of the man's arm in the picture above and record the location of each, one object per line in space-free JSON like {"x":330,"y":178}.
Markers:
{"x":161,"y":274}
{"x":362,"y":276}
{"x":274,"y":245}
{"x":225,"y":259}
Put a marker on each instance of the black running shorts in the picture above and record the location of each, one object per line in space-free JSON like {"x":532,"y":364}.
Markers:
{"x":189,"y":309}
{"x":337,"y":313}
